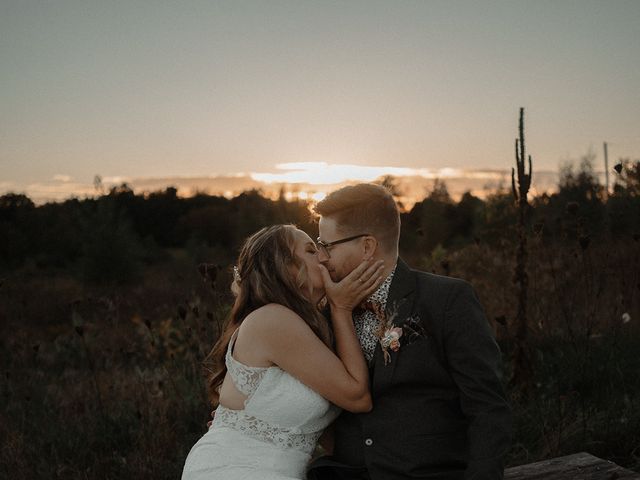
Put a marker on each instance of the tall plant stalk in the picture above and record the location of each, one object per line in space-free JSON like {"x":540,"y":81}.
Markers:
{"x":521,"y":360}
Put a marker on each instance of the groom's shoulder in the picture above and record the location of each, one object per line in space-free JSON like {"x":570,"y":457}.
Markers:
{"x":434,"y":293}
{"x":434,"y":281}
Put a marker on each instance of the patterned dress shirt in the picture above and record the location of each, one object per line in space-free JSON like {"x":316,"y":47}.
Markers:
{"x":367,"y":323}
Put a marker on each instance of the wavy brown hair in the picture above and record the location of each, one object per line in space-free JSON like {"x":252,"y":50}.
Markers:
{"x":264,"y":268}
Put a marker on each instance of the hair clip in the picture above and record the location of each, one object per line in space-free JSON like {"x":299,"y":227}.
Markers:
{"x":236,"y":275}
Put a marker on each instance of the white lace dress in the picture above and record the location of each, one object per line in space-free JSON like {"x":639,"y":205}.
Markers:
{"x":272,"y":438}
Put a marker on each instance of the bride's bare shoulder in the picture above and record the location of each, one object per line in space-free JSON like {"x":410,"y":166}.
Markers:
{"x":272,"y":317}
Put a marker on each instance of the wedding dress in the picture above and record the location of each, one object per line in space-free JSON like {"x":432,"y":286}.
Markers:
{"x":272,"y":438}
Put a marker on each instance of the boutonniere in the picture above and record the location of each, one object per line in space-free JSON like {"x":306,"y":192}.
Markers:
{"x":390,"y":335}
{"x":413,"y":326}
{"x":390,"y":340}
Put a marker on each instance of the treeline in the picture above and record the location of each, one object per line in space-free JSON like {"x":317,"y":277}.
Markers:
{"x":107,"y":239}
{"x":580,"y":208}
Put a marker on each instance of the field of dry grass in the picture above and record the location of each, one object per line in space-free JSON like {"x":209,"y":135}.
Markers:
{"x":108,"y":382}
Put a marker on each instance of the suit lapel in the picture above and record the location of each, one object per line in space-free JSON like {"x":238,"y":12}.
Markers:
{"x":398,"y":309}
{"x":400,"y":300}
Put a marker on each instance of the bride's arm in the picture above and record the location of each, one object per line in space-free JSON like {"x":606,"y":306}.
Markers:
{"x":287,"y":341}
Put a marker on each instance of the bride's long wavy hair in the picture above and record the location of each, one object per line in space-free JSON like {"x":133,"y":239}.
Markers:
{"x":265,"y":276}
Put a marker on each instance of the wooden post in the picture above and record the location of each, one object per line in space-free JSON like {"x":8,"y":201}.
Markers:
{"x":571,"y":467}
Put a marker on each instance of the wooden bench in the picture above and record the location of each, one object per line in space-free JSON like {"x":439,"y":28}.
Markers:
{"x":579,"y":466}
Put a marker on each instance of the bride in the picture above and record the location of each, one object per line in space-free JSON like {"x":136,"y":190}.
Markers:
{"x":281,"y":374}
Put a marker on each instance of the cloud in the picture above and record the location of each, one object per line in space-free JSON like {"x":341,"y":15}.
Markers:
{"x":322,"y":173}
{"x":303,"y":180}
{"x":42,"y":192}
{"x":62,"y":178}
{"x":117,"y":180}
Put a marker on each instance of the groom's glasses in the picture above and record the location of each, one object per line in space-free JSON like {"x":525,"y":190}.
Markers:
{"x":325,"y":246}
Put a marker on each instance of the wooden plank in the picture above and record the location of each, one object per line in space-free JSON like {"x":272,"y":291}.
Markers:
{"x":579,"y":466}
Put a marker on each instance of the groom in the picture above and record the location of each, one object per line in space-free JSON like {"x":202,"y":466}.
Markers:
{"x":439,"y":410}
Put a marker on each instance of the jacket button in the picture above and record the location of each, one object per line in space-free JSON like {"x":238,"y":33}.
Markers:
{"x":368,"y":442}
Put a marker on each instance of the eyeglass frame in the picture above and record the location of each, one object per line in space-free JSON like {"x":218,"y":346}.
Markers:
{"x":324,"y":246}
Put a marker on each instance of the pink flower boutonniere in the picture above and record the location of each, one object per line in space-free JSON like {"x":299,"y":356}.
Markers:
{"x":390,"y":340}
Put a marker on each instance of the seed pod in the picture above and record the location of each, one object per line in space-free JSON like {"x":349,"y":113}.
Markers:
{"x":584,"y":241}
{"x":572,"y":207}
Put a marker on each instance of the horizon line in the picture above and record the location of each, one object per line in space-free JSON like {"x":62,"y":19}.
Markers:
{"x":414,"y":184}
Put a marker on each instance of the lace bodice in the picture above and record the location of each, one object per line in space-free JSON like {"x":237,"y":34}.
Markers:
{"x":279,"y":409}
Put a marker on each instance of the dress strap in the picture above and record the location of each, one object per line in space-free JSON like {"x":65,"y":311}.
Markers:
{"x":246,"y":378}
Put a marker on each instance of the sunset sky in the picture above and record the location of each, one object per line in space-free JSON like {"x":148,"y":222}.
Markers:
{"x":161,"y":89}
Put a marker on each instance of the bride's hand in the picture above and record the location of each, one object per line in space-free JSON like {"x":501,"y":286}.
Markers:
{"x":355,"y":287}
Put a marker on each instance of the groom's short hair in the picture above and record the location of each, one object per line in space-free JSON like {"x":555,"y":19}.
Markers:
{"x":364,"y":208}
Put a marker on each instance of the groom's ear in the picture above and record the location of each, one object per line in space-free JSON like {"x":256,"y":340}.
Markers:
{"x":370,"y":245}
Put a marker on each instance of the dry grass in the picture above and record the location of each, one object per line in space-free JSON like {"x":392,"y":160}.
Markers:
{"x":107,"y":382}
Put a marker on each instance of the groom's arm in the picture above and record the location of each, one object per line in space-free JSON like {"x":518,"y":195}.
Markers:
{"x":475,"y":362}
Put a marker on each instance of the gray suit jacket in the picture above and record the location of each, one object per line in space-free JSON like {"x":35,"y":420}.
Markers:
{"x":439,"y":409}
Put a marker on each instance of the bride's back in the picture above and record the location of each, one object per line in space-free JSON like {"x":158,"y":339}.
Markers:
{"x":246,"y":350}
